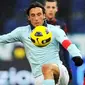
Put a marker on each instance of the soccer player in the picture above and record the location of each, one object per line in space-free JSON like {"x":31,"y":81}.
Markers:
{"x":46,"y":65}
{"x":51,"y":9}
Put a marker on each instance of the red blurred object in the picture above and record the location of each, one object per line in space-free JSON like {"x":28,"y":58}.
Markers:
{"x":84,"y":81}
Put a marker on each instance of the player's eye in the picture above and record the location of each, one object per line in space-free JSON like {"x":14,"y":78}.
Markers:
{"x":53,"y":7}
{"x":48,"y":7}
{"x":39,"y":14}
{"x":32,"y":15}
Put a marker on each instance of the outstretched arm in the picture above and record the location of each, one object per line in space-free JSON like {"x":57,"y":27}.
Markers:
{"x":10,"y":37}
{"x":68,"y":45}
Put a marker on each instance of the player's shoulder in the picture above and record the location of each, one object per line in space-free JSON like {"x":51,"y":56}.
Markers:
{"x":60,"y":22}
{"x":53,"y":27}
{"x":23,"y":28}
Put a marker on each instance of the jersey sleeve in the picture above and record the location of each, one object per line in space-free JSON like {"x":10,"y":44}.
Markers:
{"x":62,"y":38}
{"x":11,"y":37}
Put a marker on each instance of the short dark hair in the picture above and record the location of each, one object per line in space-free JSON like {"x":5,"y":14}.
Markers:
{"x":34,"y":5}
{"x":44,"y":2}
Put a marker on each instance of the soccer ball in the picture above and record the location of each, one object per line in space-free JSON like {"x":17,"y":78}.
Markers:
{"x":41,"y":36}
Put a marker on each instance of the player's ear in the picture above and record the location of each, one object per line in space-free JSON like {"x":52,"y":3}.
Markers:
{"x":56,"y":9}
{"x":44,"y":17}
{"x":28,"y":18}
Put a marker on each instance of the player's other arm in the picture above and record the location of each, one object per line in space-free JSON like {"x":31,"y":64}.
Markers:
{"x":10,"y":37}
{"x":68,"y":45}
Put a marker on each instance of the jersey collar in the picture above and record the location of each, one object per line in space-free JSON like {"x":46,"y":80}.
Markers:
{"x":32,"y":27}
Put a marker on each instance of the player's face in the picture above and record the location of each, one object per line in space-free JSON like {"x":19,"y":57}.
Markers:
{"x":36,"y":16}
{"x":51,"y":9}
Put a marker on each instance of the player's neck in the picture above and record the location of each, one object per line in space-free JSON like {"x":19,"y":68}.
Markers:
{"x":32,"y":27}
{"x":50,"y":19}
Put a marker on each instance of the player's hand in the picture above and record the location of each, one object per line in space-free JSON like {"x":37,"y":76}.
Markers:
{"x":77,"y":60}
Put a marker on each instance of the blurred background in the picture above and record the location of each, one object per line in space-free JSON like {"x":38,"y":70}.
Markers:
{"x":14,"y":67}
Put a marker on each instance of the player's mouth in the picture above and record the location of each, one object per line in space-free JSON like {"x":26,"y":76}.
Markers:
{"x":51,"y":14}
{"x":37,"y":23}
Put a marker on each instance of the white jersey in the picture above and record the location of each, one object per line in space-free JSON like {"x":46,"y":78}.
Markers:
{"x":38,"y":56}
